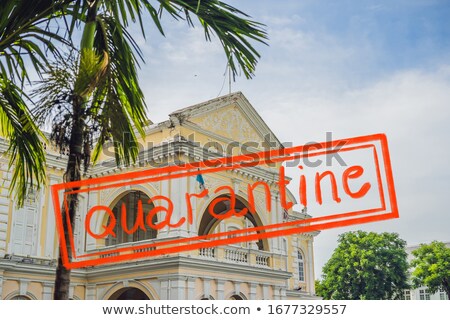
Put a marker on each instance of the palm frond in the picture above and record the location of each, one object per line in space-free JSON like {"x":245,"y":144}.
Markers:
{"x":54,"y":94}
{"x":25,"y":34}
{"x":25,"y":150}
{"x":118,"y":100}
{"x":91,"y":68}
{"x":232,"y":27}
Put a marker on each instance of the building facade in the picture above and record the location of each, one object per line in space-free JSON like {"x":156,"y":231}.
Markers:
{"x":422,"y":293}
{"x":274,"y":268}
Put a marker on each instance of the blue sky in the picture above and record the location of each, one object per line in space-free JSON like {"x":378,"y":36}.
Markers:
{"x":347,"y":67}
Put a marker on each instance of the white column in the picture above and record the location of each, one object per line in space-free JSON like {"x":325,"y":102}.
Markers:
{"x":191,"y":288}
{"x":91,"y":243}
{"x":282,"y":294}
{"x":207,"y":287}
{"x":179,"y":189}
{"x":276,"y":293}
{"x":165,"y":289}
{"x":4,"y":207}
{"x":178,"y":288}
{"x":47,"y":291}
{"x":311,"y":287}
{"x":40,"y":204}
{"x":3,"y":228}
{"x":220,"y":292}
{"x":237,"y":287}
{"x":192,"y":183}
{"x":252,"y":295}
{"x":80,"y":221}
{"x":49,"y":249}
{"x":165,"y":191}
{"x":275,"y":212}
{"x":1,"y":285}
{"x":91,"y":292}
{"x":266,"y":292}
{"x":71,"y":291}
{"x":23,"y":287}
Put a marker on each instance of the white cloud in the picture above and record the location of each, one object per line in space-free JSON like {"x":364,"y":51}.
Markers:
{"x":311,"y":81}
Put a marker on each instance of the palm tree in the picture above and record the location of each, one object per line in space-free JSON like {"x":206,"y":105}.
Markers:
{"x":98,"y":91}
{"x":104,"y":98}
{"x":24,"y":32}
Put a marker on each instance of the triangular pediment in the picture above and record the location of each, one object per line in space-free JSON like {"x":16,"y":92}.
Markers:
{"x":231,"y":117}
{"x":229,"y":122}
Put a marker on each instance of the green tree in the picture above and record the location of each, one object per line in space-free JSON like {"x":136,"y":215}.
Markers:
{"x":24,"y":32}
{"x":104,"y":95}
{"x":366,"y":266}
{"x":319,"y":288}
{"x":432,"y":267}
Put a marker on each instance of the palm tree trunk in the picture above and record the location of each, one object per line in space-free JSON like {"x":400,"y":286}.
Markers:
{"x":73,"y":170}
{"x":73,"y":173}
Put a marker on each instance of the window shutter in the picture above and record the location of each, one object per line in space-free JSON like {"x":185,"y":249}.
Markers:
{"x":24,"y":231}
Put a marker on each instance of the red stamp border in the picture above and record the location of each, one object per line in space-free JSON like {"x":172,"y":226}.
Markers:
{"x":222,"y":164}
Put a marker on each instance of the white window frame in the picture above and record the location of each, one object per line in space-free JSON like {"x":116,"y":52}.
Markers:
{"x":301,"y":266}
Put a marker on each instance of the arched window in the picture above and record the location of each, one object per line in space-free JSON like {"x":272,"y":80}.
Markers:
{"x":231,"y":229}
{"x":210,"y":225}
{"x":301,"y":267}
{"x":131,"y":202}
{"x":20,"y":297}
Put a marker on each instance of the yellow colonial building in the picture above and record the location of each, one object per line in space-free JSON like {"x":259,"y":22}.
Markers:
{"x":274,"y":268}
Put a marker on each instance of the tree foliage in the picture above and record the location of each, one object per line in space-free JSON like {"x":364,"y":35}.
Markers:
{"x":366,"y":266}
{"x":31,"y":32}
{"x":432,"y":267}
{"x":26,"y":43}
{"x":95,"y":94}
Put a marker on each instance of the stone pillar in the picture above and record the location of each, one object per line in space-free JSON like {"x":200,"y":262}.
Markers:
{"x":191,"y":288}
{"x":91,"y":292}
{"x":179,"y":188}
{"x":91,"y":243}
{"x":207,"y":287}
{"x":4,"y":208}
{"x":3,"y":229}
{"x":252,"y":295}
{"x":237,"y":287}
{"x":1,"y":285}
{"x":276,"y":292}
{"x":47,"y":291}
{"x":193,"y":189}
{"x":51,"y":234}
{"x":165,"y":191}
{"x":165,"y":289}
{"x":311,"y":287}
{"x":282,"y":293}
{"x":220,"y":292}
{"x":276,"y":217}
{"x":71,"y":291}
{"x":266,"y":292}
{"x":178,"y":288}
{"x":23,"y":287}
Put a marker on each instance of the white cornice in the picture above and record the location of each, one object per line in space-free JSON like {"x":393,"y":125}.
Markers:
{"x":165,"y":263}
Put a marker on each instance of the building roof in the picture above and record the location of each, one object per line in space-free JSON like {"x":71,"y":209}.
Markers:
{"x":238,"y":100}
